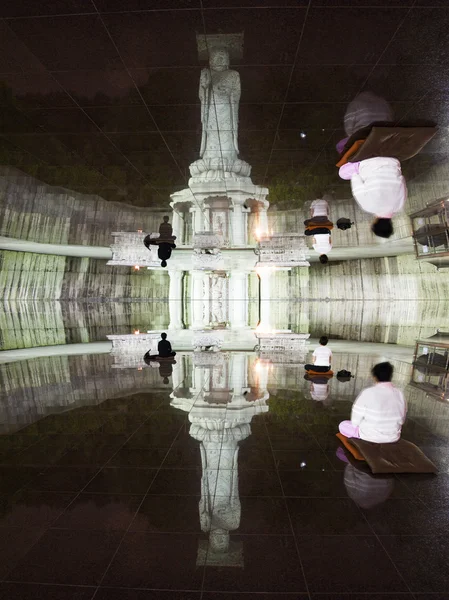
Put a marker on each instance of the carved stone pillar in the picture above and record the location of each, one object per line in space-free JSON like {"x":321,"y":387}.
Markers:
{"x":198,"y":380}
{"x":239,"y":372}
{"x":265,"y":299}
{"x":261,"y":375}
{"x":178,"y":374}
{"x":198,"y":218}
{"x":238,"y":226}
{"x":178,"y":227}
{"x":263,"y":220}
{"x":238,"y":305}
{"x":197,"y":299}
{"x":175,"y":300}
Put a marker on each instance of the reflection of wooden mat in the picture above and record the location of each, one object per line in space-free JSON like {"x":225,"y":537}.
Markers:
{"x":313,"y":373}
{"x":349,"y":447}
{"x":399,"y":457}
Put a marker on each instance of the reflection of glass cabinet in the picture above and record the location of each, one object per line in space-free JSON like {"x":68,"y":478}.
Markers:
{"x":431,"y":366}
{"x":431,"y":233}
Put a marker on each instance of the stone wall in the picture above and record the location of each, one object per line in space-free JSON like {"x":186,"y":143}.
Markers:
{"x":31,"y":210}
{"x":33,"y":324}
{"x":28,"y":276}
{"x":55,"y":300}
{"x":388,"y":300}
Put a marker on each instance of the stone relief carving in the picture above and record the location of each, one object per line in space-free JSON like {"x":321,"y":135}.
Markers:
{"x":286,"y":249}
{"x":283,"y":348}
{"x":204,"y":339}
{"x":219,"y":300}
{"x":128,"y":250}
{"x":210,"y":359}
{"x":208,"y":240}
{"x":207,"y":262}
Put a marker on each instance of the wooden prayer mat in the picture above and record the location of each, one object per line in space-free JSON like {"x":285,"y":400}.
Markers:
{"x":399,"y":457}
{"x":352,"y":150}
{"x":349,"y":447}
{"x":392,"y":142}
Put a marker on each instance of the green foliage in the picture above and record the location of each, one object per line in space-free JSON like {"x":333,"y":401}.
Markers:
{"x":288,"y":404}
{"x":291,"y":188}
{"x":291,"y":405}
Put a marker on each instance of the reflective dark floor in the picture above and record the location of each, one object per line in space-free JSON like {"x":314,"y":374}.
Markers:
{"x":135,"y":499}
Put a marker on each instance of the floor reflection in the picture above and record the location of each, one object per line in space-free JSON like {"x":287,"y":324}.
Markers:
{"x":220,"y":408}
{"x":232,"y":472}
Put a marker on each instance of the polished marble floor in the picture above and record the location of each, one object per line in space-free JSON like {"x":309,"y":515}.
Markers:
{"x":115,"y":502}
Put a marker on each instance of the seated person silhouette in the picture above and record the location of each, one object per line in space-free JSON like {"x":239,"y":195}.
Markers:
{"x":166,"y":370}
{"x":164,"y":247}
{"x":164,"y":252}
{"x":165,"y":230}
{"x":164,"y":350}
{"x":164,"y":347}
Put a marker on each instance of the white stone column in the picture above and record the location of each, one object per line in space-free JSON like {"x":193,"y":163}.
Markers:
{"x":206,"y":299}
{"x":198,"y":218}
{"x":175,"y":299}
{"x":198,"y":379}
{"x":261,"y":375}
{"x":238,"y":226}
{"x":238,"y":299}
{"x":178,"y":227}
{"x":197,"y":300}
{"x":265,"y":299}
{"x":178,"y":372}
{"x":263,"y":220}
{"x":239,"y":372}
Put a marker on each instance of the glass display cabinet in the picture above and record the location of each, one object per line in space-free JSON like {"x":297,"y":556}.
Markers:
{"x":431,"y":233}
{"x":431,"y":366}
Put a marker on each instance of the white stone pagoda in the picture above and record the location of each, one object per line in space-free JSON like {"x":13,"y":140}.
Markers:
{"x":210,"y":216}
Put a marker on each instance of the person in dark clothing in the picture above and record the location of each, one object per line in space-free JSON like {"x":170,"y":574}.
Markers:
{"x":166,"y":369}
{"x":164,"y":350}
{"x":148,"y":240}
{"x":165,"y":230}
{"x":164,"y":347}
{"x":164,"y":248}
{"x":164,"y":252}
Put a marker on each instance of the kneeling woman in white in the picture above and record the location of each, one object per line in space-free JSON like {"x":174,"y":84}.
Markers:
{"x":379,"y":411}
{"x":379,"y":188}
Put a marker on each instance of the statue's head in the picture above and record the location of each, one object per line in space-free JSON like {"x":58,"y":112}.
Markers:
{"x":165,"y":219}
{"x":219,"y":59}
{"x":219,"y":540}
